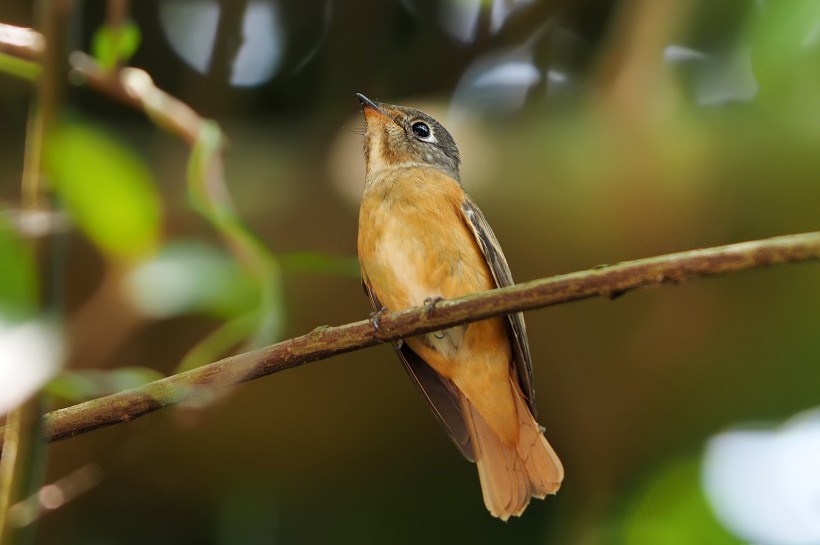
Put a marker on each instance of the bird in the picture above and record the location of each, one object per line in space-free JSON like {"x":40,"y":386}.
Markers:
{"x":422,"y":239}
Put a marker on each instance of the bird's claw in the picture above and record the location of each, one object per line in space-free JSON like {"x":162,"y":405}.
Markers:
{"x":429,"y":306}
{"x":375,"y":317}
{"x":430,"y":303}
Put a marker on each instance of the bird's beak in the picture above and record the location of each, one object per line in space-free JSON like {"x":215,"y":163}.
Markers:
{"x":371,"y":109}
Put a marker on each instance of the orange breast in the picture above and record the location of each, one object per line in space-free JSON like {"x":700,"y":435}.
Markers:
{"x":413,"y":242}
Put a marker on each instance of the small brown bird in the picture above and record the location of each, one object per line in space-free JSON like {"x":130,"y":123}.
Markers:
{"x":421,"y":239}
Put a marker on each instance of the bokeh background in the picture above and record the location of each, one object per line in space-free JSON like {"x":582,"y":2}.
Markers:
{"x":592,"y":131}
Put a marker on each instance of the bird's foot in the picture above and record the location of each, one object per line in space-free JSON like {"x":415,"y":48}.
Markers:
{"x":430,"y":304}
{"x":375,"y":317}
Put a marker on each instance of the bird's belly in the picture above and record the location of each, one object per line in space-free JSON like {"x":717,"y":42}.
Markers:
{"x":410,"y":267}
{"x":398,"y":268}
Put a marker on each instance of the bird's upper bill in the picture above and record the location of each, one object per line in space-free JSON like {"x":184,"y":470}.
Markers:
{"x":373,"y":110}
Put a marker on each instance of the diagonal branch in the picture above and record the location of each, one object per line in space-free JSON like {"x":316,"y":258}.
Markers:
{"x":324,"y":342}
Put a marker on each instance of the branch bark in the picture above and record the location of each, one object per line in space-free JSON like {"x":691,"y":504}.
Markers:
{"x":324,"y":342}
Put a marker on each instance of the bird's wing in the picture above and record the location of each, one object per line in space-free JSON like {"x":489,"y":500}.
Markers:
{"x":501,"y":273}
{"x":439,"y":392}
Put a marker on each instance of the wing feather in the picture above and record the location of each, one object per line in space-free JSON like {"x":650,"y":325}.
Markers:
{"x":503,"y":277}
{"x":439,"y":392}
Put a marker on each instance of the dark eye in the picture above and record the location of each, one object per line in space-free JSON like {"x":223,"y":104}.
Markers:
{"x":421,"y":129}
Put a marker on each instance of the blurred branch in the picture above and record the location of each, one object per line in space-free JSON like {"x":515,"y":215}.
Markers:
{"x":22,"y":466}
{"x":116,"y":13}
{"x":23,"y":43}
{"x":230,"y":37}
{"x":324,"y":342}
{"x":631,"y":69}
{"x":18,"y":466}
{"x":135,"y":88}
{"x":131,"y":86}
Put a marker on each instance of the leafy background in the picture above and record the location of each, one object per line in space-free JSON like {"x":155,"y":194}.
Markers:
{"x":592,"y":131}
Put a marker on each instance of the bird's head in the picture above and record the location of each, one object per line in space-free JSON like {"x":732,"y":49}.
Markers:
{"x":397,"y":136}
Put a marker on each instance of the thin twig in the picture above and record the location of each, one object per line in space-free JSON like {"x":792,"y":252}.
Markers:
{"x":324,"y":342}
{"x":135,"y":87}
{"x":131,"y":86}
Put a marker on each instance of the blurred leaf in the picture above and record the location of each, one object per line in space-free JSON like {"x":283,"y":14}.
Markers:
{"x":30,"y":354}
{"x":107,"y":189}
{"x":18,"y":286}
{"x":320,"y":263}
{"x":92,"y":383}
{"x":73,"y":386}
{"x":188,"y":276}
{"x":112,"y":46}
{"x":217,"y":344}
{"x":130,"y":377}
{"x":18,"y":67}
{"x":671,"y":508}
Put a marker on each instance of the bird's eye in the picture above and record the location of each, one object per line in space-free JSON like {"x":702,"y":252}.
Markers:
{"x":421,"y":129}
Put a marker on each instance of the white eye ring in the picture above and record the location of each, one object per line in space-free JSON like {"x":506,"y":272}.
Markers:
{"x":422,"y":131}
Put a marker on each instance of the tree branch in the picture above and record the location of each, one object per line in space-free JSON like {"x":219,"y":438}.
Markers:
{"x":324,"y":342}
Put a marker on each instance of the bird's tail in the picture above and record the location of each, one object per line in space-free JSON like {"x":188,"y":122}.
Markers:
{"x":511,"y":474}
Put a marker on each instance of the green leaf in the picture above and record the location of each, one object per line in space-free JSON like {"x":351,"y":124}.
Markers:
{"x":74,"y":386}
{"x":126,"y":378}
{"x":18,"y":286}
{"x":188,"y":276}
{"x":108,"y":190}
{"x":92,"y":383}
{"x":217,"y":344}
{"x":112,"y":46}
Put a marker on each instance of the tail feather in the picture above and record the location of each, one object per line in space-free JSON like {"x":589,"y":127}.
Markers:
{"x":511,"y":475}
{"x":544,"y":469}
